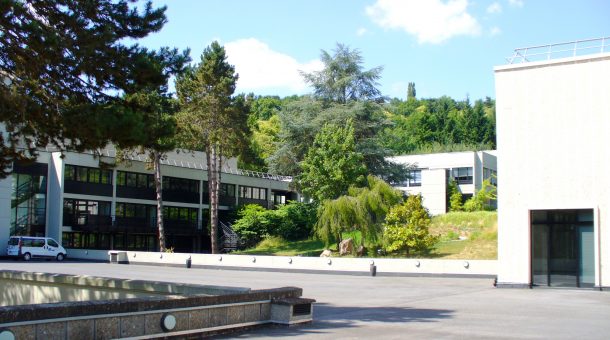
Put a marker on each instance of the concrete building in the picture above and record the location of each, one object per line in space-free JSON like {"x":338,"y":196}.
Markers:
{"x":90,"y":202}
{"x":553,"y":117}
{"x":431,"y":173}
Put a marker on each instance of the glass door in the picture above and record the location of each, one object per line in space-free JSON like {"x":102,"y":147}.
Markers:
{"x":562,"y":248}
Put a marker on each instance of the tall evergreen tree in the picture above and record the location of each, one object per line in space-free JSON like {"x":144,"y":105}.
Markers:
{"x":64,"y":66}
{"x":343,"y":79}
{"x":212,"y":119}
{"x":411,"y":93}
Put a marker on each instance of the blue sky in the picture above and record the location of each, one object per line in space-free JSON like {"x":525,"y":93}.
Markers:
{"x":445,"y":47}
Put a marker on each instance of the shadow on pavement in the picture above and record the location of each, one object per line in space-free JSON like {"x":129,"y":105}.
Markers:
{"x":328,"y":317}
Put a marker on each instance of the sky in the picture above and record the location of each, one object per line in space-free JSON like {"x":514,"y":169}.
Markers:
{"x":444,"y":47}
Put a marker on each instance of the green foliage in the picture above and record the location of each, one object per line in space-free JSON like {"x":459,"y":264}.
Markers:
{"x":362,"y":209}
{"x":439,"y":125}
{"x":212,"y":119}
{"x":332,"y":164}
{"x":406,"y":227}
{"x":455,"y":196}
{"x":64,"y":67}
{"x":292,"y":221}
{"x":483,"y":198}
{"x":343,"y":79}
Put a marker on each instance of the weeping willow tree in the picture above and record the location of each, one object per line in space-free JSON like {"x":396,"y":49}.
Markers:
{"x":362,"y":209}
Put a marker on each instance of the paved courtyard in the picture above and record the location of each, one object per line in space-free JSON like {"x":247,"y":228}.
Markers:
{"x":354,"y":307}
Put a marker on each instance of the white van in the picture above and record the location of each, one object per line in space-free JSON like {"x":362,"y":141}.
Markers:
{"x":28,"y":247}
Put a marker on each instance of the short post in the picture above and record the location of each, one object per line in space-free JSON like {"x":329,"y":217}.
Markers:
{"x":188,"y":262}
{"x":373,"y":269}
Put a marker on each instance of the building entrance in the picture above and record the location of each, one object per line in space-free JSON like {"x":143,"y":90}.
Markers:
{"x":562,"y":248}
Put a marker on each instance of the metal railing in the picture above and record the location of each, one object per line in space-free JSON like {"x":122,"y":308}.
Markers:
{"x":560,"y":50}
{"x":199,"y":166}
{"x":229,"y":240}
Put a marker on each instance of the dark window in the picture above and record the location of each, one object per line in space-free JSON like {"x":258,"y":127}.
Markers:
{"x":87,"y":175}
{"x":253,"y":193}
{"x":135,"y":180}
{"x":131,"y":180}
{"x":462,"y":175}
{"x":227,"y":190}
{"x":52,"y":243}
{"x":121,"y":178}
{"x":414,"y":178}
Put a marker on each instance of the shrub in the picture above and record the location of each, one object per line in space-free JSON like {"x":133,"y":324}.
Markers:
{"x":406,"y":227}
{"x":292,"y":221}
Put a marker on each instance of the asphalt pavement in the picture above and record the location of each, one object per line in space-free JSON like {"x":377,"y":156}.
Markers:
{"x":365,"y":307}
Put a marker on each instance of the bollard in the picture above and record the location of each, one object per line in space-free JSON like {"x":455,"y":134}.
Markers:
{"x":188,"y":263}
{"x":373,"y":269}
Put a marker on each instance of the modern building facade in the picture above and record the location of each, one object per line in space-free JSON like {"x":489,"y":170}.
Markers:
{"x":553,"y":117}
{"x":430,"y":175}
{"x":92,"y":202}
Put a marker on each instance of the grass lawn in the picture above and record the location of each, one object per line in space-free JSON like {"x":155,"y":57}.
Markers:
{"x":463,"y":235}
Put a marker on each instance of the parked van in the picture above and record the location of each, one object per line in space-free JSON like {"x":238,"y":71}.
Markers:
{"x":28,"y":247}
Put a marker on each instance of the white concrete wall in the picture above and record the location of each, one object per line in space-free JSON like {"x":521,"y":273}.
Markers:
{"x":332,"y":264}
{"x":433,"y":190}
{"x":553,"y":138}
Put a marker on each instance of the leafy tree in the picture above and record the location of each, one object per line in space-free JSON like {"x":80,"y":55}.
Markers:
{"x":455,"y":196}
{"x":343,"y":79}
{"x":406,"y":227}
{"x":331,"y":164}
{"x":482,"y":199}
{"x":212,"y":119}
{"x":362,"y":209}
{"x":64,"y":67}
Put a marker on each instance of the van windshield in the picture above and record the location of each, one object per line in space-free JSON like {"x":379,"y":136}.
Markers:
{"x":13,"y":241}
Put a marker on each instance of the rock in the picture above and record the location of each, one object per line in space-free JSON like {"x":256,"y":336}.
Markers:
{"x":346,"y":247}
{"x":326,"y":253}
{"x":360,"y":251}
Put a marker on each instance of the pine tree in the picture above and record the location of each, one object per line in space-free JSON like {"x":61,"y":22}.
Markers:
{"x":64,"y":66}
{"x":212,"y":119}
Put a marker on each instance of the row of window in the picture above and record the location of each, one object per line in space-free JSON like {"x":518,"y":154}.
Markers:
{"x":253,"y":193}
{"x":492,"y":175}
{"x":462,"y":175}
{"x":140,"y":180}
{"x":87,"y":174}
{"x":101,"y":208}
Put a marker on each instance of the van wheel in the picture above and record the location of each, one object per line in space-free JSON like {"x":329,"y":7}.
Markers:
{"x":27,"y":256}
{"x":60,"y":257}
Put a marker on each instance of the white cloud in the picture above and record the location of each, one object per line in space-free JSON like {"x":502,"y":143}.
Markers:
{"x":494,"y":8}
{"x":431,"y":21}
{"x":260,"y":67}
{"x":361,"y":31}
{"x":495,"y":31}
{"x":516,"y":3}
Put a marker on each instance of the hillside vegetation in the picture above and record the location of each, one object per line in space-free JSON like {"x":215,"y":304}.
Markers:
{"x":463,"y":235}
{"x":466,"y":235}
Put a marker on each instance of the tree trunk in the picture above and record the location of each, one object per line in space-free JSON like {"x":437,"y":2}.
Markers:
{"x":213,"y":188}
{"x":158,"y":189}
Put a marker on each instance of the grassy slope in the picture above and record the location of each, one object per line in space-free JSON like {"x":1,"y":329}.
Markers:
{"x":466,"y":235}
{"x":463,"y":236}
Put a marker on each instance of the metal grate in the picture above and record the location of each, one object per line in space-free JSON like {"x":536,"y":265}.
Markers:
{"x":301,"y":309}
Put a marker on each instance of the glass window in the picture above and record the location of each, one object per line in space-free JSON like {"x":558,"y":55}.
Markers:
{"x":131,"y":180}
{"x":52,"y":243}
{"x":69,"y":172}
{"x":130,"y":210}
{"x":106,"y":177}
{"x":121,"y":178}
{"x":81,"y":174}
{"x":142,"y":181}
{"x":462,"y":175}
{"x":94,"y":176}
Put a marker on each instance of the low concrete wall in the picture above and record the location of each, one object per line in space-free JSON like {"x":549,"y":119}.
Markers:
{"x":384,"y":266}
{"x":152,"y":317}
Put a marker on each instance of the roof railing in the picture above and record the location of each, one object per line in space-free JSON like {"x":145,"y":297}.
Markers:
{"x":560,"y":50}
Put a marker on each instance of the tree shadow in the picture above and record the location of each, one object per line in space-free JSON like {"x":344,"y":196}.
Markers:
{"x":328,"y":317}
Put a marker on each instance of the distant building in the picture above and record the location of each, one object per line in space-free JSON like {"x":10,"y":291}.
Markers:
{"x":431,"y":173}
{"x":93,"y":203}
{"x":553,"y":123}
